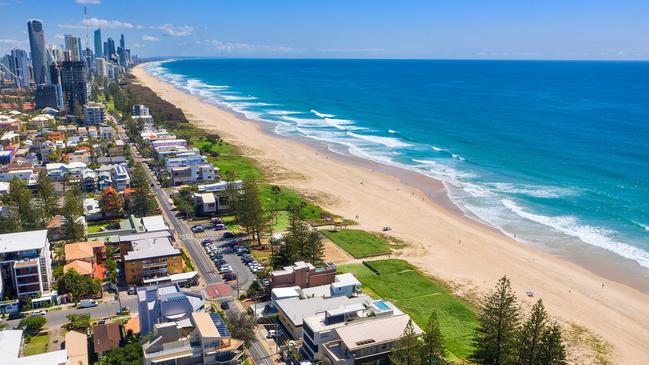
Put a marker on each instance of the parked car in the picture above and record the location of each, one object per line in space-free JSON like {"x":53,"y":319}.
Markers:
{"x":198,"y":228}
{"x":123,"y":311}
{"x":39,"y":313}
{"x":228,"y":234}
{"x":16,"y":315}
{"x":216,"y":221}
{"x":131,"y":290}
{"x":272,"y":334}
{"x":220,"y":227}
{"x":265,"y":282}
{"x":87,"y":303}
{"x":225,"y":305}
{"x":206,"y":242}
{"x":229,"y":276}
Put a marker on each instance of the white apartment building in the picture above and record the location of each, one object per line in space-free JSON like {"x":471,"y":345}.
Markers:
{"x":93,"y":113}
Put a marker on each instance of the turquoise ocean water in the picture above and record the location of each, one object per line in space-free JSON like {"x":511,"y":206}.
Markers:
{"x":553,"y":153}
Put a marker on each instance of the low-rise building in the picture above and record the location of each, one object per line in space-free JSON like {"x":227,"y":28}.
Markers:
{"x":207,"y":341}
{"x":106,"y":337}
{"x":303,"y":275}
{"x":166,"y":303}
{"x":106,"y":132}
{"x":366,"y":342}
{"x":121,"y":180}
{"x":93,"y":113}
{"x":75,"y":352}
{"x":82,"y":156}
{"x":149,"y":257}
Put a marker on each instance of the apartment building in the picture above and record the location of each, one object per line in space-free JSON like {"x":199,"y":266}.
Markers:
{"x":25,"y":263}
{"x":367,"y":342}
{"x":190,"y":168}
{"x":303,"y":275}
{"x":319,"y":329}
{"x":94,"y":114}
{"x":207,"y":341}
{"x":166,"y":303}
{"x":149,"y":257}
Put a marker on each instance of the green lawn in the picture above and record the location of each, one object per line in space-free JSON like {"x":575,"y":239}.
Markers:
{"x":94,"y":227}
{"x":419,"y":295}
{"x":359,"y":243}
{"x":281,"y":223}
{"x":37,"y":345}
{"x":274,"y":197}
{"x":228,"y":159}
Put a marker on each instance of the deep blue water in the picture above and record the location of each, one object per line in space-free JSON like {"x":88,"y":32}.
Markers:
{"x":555,"y":153}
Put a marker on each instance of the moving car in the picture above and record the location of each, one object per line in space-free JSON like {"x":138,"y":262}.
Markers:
{"x":39,"y":313}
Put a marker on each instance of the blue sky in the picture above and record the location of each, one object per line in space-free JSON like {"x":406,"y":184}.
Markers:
{"x":495,"y":29}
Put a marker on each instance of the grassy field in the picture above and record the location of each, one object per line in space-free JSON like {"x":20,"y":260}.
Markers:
{"x":359,"y":243}
{"x":418,"y":295}
{"x":94,"y":227}
{"x":228,"y":159}
{"x":37,"y":345}
{"x":281,"y":222}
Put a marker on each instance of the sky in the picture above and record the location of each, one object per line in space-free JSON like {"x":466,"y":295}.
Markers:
{"x":426,"y":29}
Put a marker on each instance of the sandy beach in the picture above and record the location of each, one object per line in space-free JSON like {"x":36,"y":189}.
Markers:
{"x":470,"y":257}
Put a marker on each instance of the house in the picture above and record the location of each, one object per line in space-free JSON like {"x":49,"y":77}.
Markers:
{"x":75,"y":352}
{"x":220,"y":191}
{"x":25,"y":263}
{"x":370,"y":341}
{"x":91,"y":209}
{"x":92,"y":131}
{"x":82,"y":156}
{"x":82,"y":132}
{"x":121,"y":179}
{"x":205,"y":203}
{"x":81,"y":267}
{"x":10,"y":138}
{"x":104,"y":180}
{"x":56,"y":136}
{"x":204,"y":340}
{"x":106,"y":337}
{"x":343,"y":285}
{"x":303,"y":275}
{"x":165,"y":303}
{"x":89,"y":178}
{"x":90,"y":251}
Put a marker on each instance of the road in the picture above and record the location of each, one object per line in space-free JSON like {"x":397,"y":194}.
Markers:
{"x":103,"y":310}
{"x":194,"y":249}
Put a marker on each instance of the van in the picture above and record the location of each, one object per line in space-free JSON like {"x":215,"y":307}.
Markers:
{"x":87,"y":303}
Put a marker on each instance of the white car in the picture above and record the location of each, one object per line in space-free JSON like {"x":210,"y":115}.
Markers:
{"x":87,"y":303}
{"x":39,"y":313}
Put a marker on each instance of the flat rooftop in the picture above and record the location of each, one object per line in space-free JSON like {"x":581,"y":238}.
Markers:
{"x":297,"y":309}
{"x":23,"y":241}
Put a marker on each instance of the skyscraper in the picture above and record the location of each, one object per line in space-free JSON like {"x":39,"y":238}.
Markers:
{"x":19,"y":67}
{"x":37,"y":46}
{"x":122,"y":52}
{"x":75,"y":87}
{"x":98,"y":44}
{"x":111,"y":49}
{"x":73,"y":44}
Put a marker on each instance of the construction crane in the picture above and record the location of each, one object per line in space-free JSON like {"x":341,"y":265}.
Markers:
{"x":12,"y":74}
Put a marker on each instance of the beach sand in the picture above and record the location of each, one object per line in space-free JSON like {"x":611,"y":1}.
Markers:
{"x":469,"y":256}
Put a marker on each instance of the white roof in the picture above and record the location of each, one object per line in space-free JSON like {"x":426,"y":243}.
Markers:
{"x":374,"y":332}
{"x":283,"y":293}
{"x":22,"y":241}
{"x":10,"y":349}
{"x":347,"y":279}
{"x":297,"y":309}
{"x":10,"y":344}
{"x":207,"y":198}
{"x":154,"y":223}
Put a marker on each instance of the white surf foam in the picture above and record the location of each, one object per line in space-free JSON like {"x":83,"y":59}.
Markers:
{"x":321,"y":115}
{"x":599,"y":237}
{"x":386,"y":141}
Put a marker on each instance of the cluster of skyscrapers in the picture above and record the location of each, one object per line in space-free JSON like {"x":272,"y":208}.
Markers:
{"x":62,"y":75}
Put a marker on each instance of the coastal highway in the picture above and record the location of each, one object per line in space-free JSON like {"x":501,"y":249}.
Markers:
{"x":203,"y":264}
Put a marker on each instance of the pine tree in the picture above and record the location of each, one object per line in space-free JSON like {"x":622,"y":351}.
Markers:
{"x":72,"y":211}
{"x":313,"y":247}
{"x":432,"y":347}
{"x":551,"y":350}
{"x":21,"y":197}
{"x":251,"y":213}
{"x":495,"y":341}
{"x":111,"y":205}
{"x":530,"y":335}
{"x":143,"y":202}
{"x":47,"y":194}
{"x":406,"y":352}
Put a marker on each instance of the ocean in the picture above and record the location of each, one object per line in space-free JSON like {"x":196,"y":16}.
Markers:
{"x":554,"y":154}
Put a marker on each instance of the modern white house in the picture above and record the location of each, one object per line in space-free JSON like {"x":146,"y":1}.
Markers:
{"x":121,"y":178}
{"x":166,"y":303}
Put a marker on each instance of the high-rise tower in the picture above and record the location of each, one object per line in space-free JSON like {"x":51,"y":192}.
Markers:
{"x":98,"y":44}
{"x":39,"y":55}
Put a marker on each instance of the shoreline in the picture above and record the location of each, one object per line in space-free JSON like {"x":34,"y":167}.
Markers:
{"x":465,"y":253}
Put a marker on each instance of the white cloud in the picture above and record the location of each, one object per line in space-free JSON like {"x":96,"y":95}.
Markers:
{"x":139,"y":45}
{"x":150,"y":38}
{"x":87,"y":2}
{"x":59,"y":36}
{"x":167,"y":29}
{"x":174,"y":30}
{"x":99,"y":23}
{"x":242,"y":48}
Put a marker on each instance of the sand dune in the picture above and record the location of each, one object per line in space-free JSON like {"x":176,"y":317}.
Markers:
{"x":468,"y":255}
